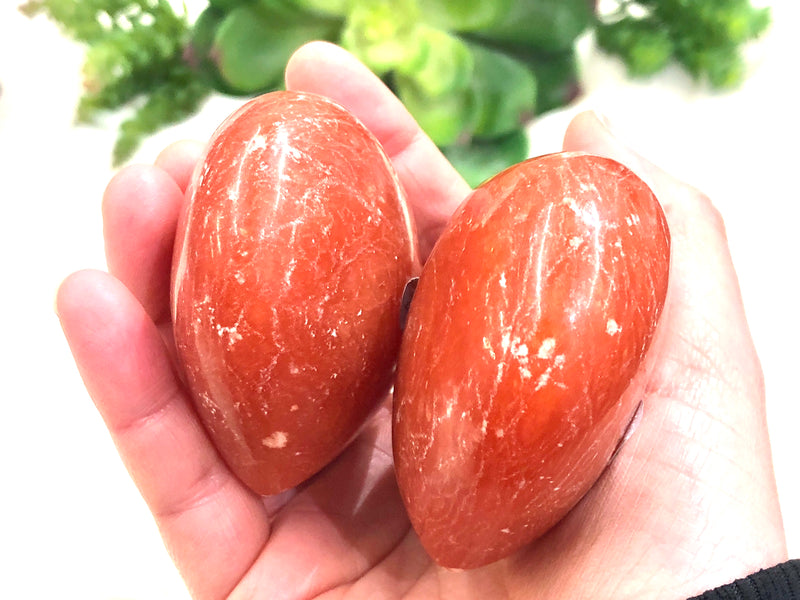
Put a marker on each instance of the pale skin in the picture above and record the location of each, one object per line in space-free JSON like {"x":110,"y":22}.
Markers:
{"x":688,"y":504}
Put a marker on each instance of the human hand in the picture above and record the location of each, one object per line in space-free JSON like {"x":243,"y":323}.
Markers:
{"x":688,"y":503}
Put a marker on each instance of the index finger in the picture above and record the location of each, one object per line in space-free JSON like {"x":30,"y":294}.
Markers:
{"x":433,"y":187}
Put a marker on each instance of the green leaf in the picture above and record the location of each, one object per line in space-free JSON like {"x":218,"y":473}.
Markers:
{"x":199,"y":54}
{"x":442,"y":63}
{"x":332,"y":8}
{"x":381,"y":33}
{"x":760,"y":20}
{"x":167,"y":103}
{"x":446,"y":118}
{"x":227,"y":5}
{"x":463,"y":16}
{"x":251,"y":47}
{"x":478,"y":161}
{"x":643,"y":44}
{"x":722,"y":65}
{"x":707,"y":38}
{"x":135,"y":54}
{"x":557,"y":78}
{"x":551,"y":25}
{"x":504,"y":90}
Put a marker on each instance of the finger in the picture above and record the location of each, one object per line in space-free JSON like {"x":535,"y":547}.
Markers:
{"x":211,"y":524}
{"x":179,"y":160}
{"x":433,"y":187}
{"x":701,"y":449}
{"x":703,"y":281}
{"x":592,"y":132}
{"x":709,"y":357}
{"x":141,"y":205}
{"x":343,"y":521}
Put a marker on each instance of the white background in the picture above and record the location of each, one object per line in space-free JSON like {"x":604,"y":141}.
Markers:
{"x":72,"y":523}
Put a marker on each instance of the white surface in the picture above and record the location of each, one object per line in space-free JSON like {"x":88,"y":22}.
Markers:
{"x":74,"y":526}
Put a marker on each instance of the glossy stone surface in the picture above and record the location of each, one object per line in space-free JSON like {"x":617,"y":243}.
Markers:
{"x":522,"y":361}
{"x":288,"y":275}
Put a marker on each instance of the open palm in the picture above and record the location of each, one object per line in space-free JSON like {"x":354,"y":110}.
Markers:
{"x":689,"y":502}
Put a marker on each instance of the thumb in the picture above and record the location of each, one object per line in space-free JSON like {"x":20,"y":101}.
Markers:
{"x":704,"y":293}
{"x":593,"y":132}
{"x":697,"y":473}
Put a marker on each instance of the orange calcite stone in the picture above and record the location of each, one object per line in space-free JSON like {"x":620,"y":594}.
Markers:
{"x":289,"y":268}
{"x":524,"y":355}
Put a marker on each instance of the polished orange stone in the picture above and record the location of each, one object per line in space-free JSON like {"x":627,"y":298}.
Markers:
{"x":524,"y":354}
{"x":288,"y":274}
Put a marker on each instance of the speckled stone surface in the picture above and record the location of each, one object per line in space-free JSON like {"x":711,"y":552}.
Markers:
{"x":289,"y":271}
{"x":518,"y":369}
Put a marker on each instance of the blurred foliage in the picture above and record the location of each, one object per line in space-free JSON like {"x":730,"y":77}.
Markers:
{"x":472,"y":73}
{"x":705,"y":37}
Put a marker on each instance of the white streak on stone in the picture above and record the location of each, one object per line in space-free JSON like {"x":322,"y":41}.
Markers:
{"x":542,"y":381}
{"x":276,"y":440}
{"x":488,"y":347}
{"x":546,"y":349}
{"x":232,"y":332}
{"x":612,"y":327}
{"x":505,"y":341}
{"x":519,"y":350}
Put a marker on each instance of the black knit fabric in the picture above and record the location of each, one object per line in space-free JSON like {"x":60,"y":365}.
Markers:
{"x":781,"y":582}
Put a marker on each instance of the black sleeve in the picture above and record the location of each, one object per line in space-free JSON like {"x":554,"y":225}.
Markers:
{"x":781,"y":582}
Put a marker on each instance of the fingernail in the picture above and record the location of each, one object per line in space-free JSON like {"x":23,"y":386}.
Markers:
{"x":611,"y":128}
{"x":625,"y":153}
{"x":604,"y":120}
